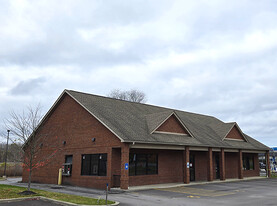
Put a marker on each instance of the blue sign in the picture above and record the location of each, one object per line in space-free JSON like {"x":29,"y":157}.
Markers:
{"x":126,"y":166}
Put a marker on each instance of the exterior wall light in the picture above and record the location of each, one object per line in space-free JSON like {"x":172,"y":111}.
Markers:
{"x":64,"y":142}
{"x":93,"y":139}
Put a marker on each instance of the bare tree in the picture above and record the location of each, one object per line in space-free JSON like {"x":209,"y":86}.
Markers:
{"x":132,"y":95}
{"x":25,"y":128}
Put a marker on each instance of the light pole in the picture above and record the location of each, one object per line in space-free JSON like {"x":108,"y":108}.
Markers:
{"x":6,"y":155}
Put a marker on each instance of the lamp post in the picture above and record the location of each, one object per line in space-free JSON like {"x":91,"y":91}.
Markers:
{"x":6,"y":155}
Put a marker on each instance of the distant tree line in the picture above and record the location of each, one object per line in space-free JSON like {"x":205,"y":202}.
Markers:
{"x":14,"y":152}
{"x":132,"y":95}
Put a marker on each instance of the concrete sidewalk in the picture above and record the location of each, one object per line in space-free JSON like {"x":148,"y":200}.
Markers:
{"x":97,"y":192}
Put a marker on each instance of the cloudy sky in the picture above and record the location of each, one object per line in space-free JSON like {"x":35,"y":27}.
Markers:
{"x":212,"y":57}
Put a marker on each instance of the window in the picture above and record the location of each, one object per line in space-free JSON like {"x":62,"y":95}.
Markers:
{"x":248,"y":162}
{"x":94,"y":164}
{"x":68,"y":158}
{"x":67,"y":166}
{"x":143,"y":164}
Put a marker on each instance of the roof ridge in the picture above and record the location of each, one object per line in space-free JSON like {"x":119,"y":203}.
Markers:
{"x":151,"y":105}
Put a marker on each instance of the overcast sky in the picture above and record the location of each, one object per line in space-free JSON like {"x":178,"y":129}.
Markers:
{"x":212,"y":57}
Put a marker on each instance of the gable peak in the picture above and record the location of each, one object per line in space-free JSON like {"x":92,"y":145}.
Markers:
{"x":235,"y":133}
{"x":172,"y":125}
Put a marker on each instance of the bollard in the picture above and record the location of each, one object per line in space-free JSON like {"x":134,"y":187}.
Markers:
{"x":60,"y":177}
{"x":107,"y":193}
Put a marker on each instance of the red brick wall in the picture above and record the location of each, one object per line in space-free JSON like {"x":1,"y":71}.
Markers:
{"x":235,"y":134}
{"x":231,"y":164}
{"x":173,"y":125}
{"x":71,"y":123}
{"x":170,"y":168}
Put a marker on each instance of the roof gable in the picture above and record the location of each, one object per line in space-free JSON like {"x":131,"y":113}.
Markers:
{"x":172,"y":125}
{"x":235,"y":133}
{"x":156,"y":119}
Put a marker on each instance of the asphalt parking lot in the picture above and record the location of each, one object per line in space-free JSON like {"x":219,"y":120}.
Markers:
{"x":248,"y":192}
{"x":254,"y":192}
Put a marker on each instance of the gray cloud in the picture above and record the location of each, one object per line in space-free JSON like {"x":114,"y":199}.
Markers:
{"x":26,"y":87}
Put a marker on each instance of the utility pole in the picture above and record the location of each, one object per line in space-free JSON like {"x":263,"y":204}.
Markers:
{"x":6,"y":155}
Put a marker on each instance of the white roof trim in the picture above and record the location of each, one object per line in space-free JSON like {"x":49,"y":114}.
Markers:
{"x":173,"y":113}
{"x":232,"y":139}
{"x":253,"y":151}
{"x":174,"y":133}
{"x":235,"y":124}
{"x":95,"y":116}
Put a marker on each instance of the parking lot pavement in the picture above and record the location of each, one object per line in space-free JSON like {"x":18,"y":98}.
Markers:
{"x":254,"y":192}
{"x":198,"y":192}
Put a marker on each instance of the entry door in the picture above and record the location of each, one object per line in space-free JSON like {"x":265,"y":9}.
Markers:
{"x":217,"y":167}
{"x":192,"y":167}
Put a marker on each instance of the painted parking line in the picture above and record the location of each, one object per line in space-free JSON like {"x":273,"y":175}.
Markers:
{"x":199,"y":192}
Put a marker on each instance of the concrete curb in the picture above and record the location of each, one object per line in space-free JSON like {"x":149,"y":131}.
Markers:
{"x":47,"y":199}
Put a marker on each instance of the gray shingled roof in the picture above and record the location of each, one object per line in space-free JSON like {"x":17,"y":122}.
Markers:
{"x":134,"y":122}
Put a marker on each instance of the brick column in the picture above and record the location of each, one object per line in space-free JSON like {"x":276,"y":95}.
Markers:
{"x":240,"y":165}
{"x":222,"y":164}
{"x":124,"y":178}
{"x":109,"y":167}
{"x":268,"y":172}
{"x":210,"y":165}
{"x":186,"y":169}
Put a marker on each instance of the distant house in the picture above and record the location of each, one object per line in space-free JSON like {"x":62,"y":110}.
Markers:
{"x":104,"y":140}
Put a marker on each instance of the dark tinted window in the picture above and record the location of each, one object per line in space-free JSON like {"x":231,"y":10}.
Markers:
{"x":152,"y":164}
{"x":248,"y":162}
{"x":102,"y":170}
{"x":132,"y":164}
{"x":143,"y":164}
{"x":68,"y":159}
{"x":94,"y":164}
{"x":85,"y":164}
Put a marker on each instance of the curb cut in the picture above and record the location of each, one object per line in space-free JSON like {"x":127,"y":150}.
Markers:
{"x":48,"y":199}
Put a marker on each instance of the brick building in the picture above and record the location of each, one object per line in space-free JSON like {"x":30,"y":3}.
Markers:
{"x":126,"y":144}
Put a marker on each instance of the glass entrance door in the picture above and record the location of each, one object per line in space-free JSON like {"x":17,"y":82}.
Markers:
{"x":192,"y":167}
{"x":217,"y":167}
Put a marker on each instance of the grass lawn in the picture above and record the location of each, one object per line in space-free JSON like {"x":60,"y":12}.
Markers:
{"x":8,"y":192}
{"x":274,"y":175}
